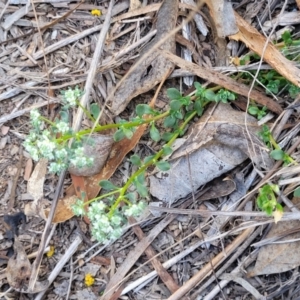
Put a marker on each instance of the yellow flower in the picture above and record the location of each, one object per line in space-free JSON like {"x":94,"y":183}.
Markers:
{"x":50,"y":252}
{"x":89,"y":279}
{"x":96,"y":12}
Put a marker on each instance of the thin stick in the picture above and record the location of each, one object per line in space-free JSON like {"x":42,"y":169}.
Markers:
{"x":91,"y":75}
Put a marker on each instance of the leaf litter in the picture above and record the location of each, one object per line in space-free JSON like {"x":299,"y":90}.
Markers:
{"x":69,"y":37}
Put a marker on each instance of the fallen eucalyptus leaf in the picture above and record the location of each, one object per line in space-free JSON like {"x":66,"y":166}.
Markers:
{"x":215,"y":145}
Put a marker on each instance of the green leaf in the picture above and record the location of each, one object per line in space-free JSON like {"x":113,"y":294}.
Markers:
{"x":169,"y":121}
{"x":141,"y":178}
{"x":107,"y":185}
{"x":186,"y":100}
{"x":143,"y":109}
{"x":154,"y":133}
{"x":95,"y":110}
{"x":141,"y":189}
{"x":135,"y":159}
{"x":198,"y":86}
{"x":131,"y":197}
{"x":167,"y":150}
{"x":199,"y":107}
{"x":166,"y":136}
{"x":178,"y":114}
{"x":210,"y":95}
{"x":287,"y":39}
{"x":173,"y":94}
{"x":277,"y":154}
{"x":119,"y":135}
{"x":231,"y":96}
{"x":148,"y":158}
{"x":175,"y":105}
{"x":64,"y":116}
{"x":127,"y":132}
{"x":253,"y":110}
{"x":297,"y":192}
{"x":163,"y":165}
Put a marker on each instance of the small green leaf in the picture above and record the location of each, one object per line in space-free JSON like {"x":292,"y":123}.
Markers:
{"x":163,"y":165}
{"x":297,"y":192}
{"x":141,"y":178}
{"x":199,"y":107}
{"x":210,"y":95}
{"x":127,"y":132}
{"x":148,"y":158}
{"x":169,"y":121}
{"x":178,"y":114}
{"x":119,"y":135}
{"x":154,"y":133}
{"x":198,"y":86}
{"x":175,"y":105}
{"x":107,"y":185}
{"x":141,"y":189}
{"x":131,"y":197}
{"x":95,"y":110}
{"x":173,"y":94}
{"x":167,"y":150}
{"x":186,"y":100}
{"x":143,"y":109}
{"x":253,"y":110}
{"x":135,"y":159}
{"x":64,"y":116}
{"x":166,"y":136}
{"x":277,"y":154}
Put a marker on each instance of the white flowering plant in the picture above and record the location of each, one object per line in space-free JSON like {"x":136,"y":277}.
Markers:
{"x":108,"y":212}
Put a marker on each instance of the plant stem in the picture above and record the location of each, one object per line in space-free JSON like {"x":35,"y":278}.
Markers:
{"x":146,"y":165}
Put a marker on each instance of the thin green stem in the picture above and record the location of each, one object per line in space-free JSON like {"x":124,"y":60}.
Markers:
{"x":102,"y":196}
{"x":99,"y":128}
{"x":146,"y":165}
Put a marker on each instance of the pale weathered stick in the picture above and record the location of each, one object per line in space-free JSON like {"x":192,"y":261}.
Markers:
{"x":64,"y":259}
{"x":93,"y":67}
{"x":206,"y":270}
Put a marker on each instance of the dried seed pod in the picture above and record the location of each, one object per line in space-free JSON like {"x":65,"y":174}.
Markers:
{"x":99,"y":150}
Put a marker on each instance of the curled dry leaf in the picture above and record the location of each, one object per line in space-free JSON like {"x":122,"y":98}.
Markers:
{"x":19,"y":270}
{"x":98,"y":148}
{"x":35,"y":187}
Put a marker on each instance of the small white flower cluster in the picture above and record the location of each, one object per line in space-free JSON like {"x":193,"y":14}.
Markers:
{"x":62,"y":127}
{"x":79,"y":159}
{"x":103,"y":227}
{"x":70,"y":96}
{"x":106,"y":228}
{"x":40,"y":145}
{"x":135,"y":210}
{"x":43,"y":144}
{"x":35,"y":118}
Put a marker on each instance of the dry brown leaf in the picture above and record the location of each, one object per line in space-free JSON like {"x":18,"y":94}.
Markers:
{"x":35,"y":187}
{"x":63,"y":210}
{"x":256,"y":42}
{"x":221,"y":188}
{"x":19,"y":270}
{"x":216,"y":144}
{"x":28,"y":169}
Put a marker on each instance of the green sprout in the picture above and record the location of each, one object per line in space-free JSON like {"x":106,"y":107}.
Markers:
{"x":267,"y":201}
